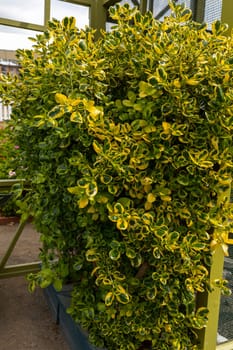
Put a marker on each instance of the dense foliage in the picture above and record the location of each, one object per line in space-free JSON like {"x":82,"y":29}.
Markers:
{"x":9,"y":152}
{"x":127,"y":144}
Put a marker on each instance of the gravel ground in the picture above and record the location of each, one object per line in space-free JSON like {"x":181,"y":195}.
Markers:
{"x":25,"y":319}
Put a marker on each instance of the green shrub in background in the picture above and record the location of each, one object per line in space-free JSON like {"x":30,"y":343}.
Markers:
{"x":127,"y":144}
{"x":8,"y":155}
{"x":8,"y":152}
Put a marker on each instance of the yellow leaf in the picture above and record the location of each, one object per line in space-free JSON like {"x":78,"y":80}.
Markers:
{"x":148,"y":206}
{"x":151,"y":198}
{"x":166,"y":198}
{"x":149,"y":129}
{"x":97,"y":147}
{"x":177,"y":83}
{"x":61,"y":99}
{"x":166,"y":127}
{"x":122,"y":224}
{"x":192,"y":81}
{"x":94,"y":111}
{"x":139,"y":195}
{"x":76,"y":117}
{"x":52,"y":122}
{"x":142,"y":166}
{"x":83,"y":202}
{"x":93,"y":272}
{"x":109,"y":298}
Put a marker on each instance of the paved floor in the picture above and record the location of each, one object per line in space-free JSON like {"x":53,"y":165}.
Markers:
{"x":25,"y":319}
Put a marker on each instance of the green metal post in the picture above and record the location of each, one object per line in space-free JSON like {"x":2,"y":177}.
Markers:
{"x":108,"y":3}
{"x":20,"y":269}
{"x":143,"y":6}
{"x":47,"y":8}
{"x":227,"y":12}
{"x":198,"y":8}
{"x":98,"y":16}
{"x":208,"y":336}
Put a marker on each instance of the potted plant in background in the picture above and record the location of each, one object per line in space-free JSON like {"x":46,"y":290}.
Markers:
{"x":127,"y":145}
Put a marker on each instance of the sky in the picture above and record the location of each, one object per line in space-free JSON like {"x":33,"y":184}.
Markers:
{"x":32,"y":11}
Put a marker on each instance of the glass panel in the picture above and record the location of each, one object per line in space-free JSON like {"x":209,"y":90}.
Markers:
{"x":225,"y":325}
{"x":23,"y":10}
{"x":161,"y":7}
{"x":15,"y":38}
{"x":213,"y":11}
{"x":60,"y":9}
{"x":130,"y":2}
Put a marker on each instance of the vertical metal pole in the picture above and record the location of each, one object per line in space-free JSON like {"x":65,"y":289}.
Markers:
{"x":208,"y":336}
{"x":151,"y":5}
{"x":98,"y":16}
{"x":198,"y":8}
{"x":193,"y":5}
{"x":211,"y":300}
{"x":143,"y":6}
{"x":47,"y":8}
{"x":227,"y":12}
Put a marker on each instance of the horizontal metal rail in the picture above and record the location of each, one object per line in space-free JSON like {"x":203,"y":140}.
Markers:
{"x":20,"y":269}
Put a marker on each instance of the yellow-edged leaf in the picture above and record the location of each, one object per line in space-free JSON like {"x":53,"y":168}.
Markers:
{"x":83,"y":202}
{"x":61,"y":99}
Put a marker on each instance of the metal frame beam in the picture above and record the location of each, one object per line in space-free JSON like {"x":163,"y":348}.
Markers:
{"x":227,"y":12}
{"x":98,"y":16}
{"x":198,"y":9}
{"x":79,"y":2}
{"x":28,"y":25}
{"x":208,"y":336}
{"x":108,"y":3}
{"x":20,"y":269}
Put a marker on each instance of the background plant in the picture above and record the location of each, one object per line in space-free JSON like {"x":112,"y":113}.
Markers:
{"x":127,"y":144}
{"x":8,"y":156}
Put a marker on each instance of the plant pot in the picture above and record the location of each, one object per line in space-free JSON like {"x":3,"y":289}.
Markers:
{"x":58,"y":303}
{"x":6,"y":220}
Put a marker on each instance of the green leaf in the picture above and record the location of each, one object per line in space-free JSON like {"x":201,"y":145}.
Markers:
{"x":130,"y":253}
{"x":92,"y":255}
{"x":76,"y":117}
{"x":57,"y":285}
{"x":123,"y":298}
{"x":109,"y":298}
{"x":151,"y":294}
{"x":114,"y":254}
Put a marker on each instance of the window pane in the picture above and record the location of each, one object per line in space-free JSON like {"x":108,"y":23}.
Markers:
{"x":161,"y":7}
{"x":15,"y":38}
{"x":23,"y":10}
{"x":60,"y":9}
{"x":213,"y":11}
